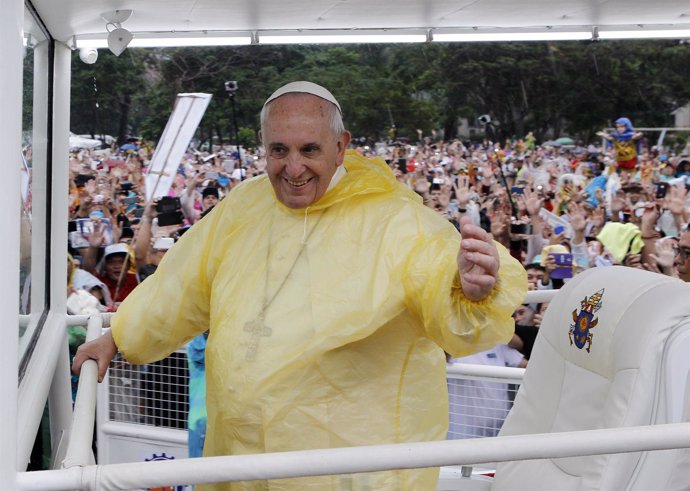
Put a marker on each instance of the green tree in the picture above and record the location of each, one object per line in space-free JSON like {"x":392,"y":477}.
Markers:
{"x":572,"y":88}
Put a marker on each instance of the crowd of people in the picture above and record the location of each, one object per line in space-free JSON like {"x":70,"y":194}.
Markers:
{"x":559,"y":210}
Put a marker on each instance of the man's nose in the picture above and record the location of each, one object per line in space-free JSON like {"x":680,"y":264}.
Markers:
{"x":295,"y":165}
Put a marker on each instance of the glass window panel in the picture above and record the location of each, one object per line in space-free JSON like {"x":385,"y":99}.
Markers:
{"x":33,"y":160}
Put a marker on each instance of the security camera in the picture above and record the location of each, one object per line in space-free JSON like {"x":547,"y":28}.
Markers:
{"x":88,"y":55}
{"x":231,"y":86}
{"x":484,"y":119}
{"x":118,"y":39}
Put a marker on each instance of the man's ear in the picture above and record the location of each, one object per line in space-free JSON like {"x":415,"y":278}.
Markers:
{"x":343,"y":142}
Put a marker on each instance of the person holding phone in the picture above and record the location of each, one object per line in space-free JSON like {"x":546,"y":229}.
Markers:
{"x":330,"y":293}
{"x":209,"y":197}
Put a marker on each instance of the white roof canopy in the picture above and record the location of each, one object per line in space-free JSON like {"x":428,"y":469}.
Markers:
{"x":192,"y":22}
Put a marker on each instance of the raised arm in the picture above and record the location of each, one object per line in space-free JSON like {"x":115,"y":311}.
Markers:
{"x":96,"y":241}
{"x":143,"y":238}
{"x":605,"y":135}
{"x":187,"y":198}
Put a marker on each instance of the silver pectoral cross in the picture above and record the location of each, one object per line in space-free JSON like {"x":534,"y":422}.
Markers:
{"x":257,"y":329}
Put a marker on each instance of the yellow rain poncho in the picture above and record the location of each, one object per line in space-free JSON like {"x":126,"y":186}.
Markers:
{"x":327,"y":324}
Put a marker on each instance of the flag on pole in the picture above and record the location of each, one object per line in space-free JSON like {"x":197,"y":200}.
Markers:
{"x":183,"y":122}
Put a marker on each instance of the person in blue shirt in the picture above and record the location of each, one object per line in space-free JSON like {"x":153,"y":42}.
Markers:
{"x":196,"y":357}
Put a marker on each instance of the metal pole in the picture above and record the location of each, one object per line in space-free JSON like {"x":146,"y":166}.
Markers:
{"x":11,"y":29}
{"x":60,"y":395}
{"x":80,"y":320}
{"x":231,"y":89}
{"x":360,"y":459}
{"x":234,"y":121}
{"x":81,"y":433}
{"x":508,"y":375}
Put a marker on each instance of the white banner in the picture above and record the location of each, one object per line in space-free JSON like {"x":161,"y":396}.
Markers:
{"x":183,"y":122}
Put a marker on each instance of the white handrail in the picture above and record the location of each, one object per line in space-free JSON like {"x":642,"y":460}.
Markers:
{"x":540,"y":296}
{"x":81,"y":433}
{"x":485,"y":372}
{"x":359,"y":459}
{"x":80,"y":320}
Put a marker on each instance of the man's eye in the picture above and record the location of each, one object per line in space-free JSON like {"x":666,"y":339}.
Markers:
{"x":276,"y":152}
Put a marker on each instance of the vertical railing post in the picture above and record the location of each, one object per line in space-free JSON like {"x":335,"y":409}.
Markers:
{"x":11,"y":30}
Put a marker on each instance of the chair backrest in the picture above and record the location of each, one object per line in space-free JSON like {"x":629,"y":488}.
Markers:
{"x":613,"y":351}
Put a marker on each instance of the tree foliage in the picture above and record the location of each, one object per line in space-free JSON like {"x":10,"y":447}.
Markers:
{"x":106,"y":96}
{"x":573,"y":88}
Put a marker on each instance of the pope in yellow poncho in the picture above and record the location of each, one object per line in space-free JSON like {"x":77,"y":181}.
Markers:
{"x":327,"y":323}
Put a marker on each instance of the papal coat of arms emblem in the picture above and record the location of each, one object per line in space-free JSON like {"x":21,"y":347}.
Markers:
{"x":584,"y":321}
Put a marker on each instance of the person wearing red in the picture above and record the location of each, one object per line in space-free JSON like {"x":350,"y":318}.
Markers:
{"x":116,"y":258}
{"x":625,"y":142}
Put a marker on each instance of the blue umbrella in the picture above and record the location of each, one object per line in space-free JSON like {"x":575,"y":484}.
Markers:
{"x":564,"y":140}
{"x":128,"y":146}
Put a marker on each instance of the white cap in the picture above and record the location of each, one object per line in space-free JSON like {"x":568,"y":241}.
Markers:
{"x":115,"y":249}
{"x":307,"y":88}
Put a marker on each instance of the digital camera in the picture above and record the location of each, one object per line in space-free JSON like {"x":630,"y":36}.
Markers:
{"x":169,"y":211}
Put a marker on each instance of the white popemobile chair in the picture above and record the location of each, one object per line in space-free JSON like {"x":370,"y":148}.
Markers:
{"x":613,"y":351}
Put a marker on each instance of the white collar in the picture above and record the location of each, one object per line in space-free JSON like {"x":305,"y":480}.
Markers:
{"x":337,"y":176}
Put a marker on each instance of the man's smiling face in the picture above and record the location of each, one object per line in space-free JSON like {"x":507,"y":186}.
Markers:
{"x":302,"y":149}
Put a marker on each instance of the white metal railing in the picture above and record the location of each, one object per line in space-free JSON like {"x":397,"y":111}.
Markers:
{"x":81,"y":320}
{"x":359,"y":459}
{"x":508,"y":375}
{"x":540,"y":296}
{"x":81,"y":433}
{"x":155,"y":394}
{"x":128,"y":430}
{"x":479,"y":398}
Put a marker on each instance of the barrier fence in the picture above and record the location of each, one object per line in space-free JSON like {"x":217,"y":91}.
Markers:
{"x":156,"y":395}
